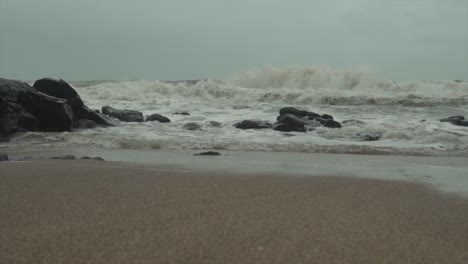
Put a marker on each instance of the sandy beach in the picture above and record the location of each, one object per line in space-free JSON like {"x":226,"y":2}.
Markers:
{"x":108,"y":212}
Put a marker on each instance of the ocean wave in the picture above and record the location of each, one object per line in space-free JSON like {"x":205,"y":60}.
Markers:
{"x":303,"y":85}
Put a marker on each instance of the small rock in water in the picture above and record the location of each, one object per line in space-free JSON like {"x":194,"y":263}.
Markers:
{"x":215,"y":123}
{"x":123,"y":115}
{"x":252,"y":124}
{"x":64,"y":157}
{"x":208,"y":153}
{"x":182,"y":113}
{"x":331,"y":124}
{"x":455,"y":120}
{"x":3,"y":157}
{"x":459,"y":122}
{"x":452,"y":118}
{"x":192,"y":126}
{"x":157,"y":117}
{"x":325,"y":116}
{"x":93,"y":158}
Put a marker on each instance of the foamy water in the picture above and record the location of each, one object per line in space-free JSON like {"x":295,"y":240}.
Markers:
{"x":403,"y":114}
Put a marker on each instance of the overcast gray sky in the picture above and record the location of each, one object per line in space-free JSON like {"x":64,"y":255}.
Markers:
{"x":183,"y":39}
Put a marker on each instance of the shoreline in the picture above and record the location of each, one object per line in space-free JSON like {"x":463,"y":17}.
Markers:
{"x":111,"y":212}
{"x":447,"y":174}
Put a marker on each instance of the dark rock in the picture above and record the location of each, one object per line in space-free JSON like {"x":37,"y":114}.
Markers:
{"x":192,"y":126}
{"x":208,"y":153}
{"x":452,"y":118}
{"x":22,"y":108}
{"x":158,"y":117}
{"x":288,"y":128}
{"x":182,"y":113}
{"x":123,"y":115}
{"x":325,"y":116}
{"x":215,"y":123}
{"x":459,"y":122}
{"x":64,"y":157}
{"x":3,"y":157}
{"x":331,"y":124}
{"x":93,"y":158}
{"x":291,"y":120}
{"x":85,"y":123}
{"x":253,"y":124}
{"x":61,"y":89}
{"x":292,"y":111}
{"x":298,"y":113}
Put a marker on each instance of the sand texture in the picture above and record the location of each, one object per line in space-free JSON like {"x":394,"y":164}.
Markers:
{"x":104,"y":212}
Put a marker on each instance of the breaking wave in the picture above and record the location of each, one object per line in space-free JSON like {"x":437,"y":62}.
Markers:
{"x":298,"y":85}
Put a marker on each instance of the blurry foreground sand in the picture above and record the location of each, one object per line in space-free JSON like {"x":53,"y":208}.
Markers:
{"x":103,"y":212}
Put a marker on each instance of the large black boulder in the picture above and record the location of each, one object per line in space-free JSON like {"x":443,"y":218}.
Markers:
{"x":123,"y":115}
{"x":22,"y":108}
{"x":61,"y":89}
{"x":253,"y":124}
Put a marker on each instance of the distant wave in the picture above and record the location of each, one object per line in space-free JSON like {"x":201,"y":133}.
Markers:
{"x":299,"y":85}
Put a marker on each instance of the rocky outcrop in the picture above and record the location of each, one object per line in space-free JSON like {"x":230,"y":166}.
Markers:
{"x":123,"y":115}
{"x":22,"y":108}
{"x":253,"y":124}
{"x":293,"y":119}
{"x":157,"y":117}
{"x":61,"y":89}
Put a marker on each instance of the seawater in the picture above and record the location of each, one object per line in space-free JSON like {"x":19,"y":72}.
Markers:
{"x":404,"y":114}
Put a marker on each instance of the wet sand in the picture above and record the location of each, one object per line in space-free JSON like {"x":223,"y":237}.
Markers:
{"x":105,"y":212}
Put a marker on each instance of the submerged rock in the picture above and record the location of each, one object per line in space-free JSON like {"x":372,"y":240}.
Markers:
{"x":192,"y":126}
{"x":64,"y":157}
{"x":3,"y":157}
{"x":182,"y":113}
{"x":253,"y":124}
{"x":157,"y":117}
{"x":452,"y":118}
{"x":214,"y":123}
{"x":92,"y":158}
{"x":331,"y":123}
{"x":208,"y":153}
{"x":455,"y":120}
{"x":123,"y":115}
